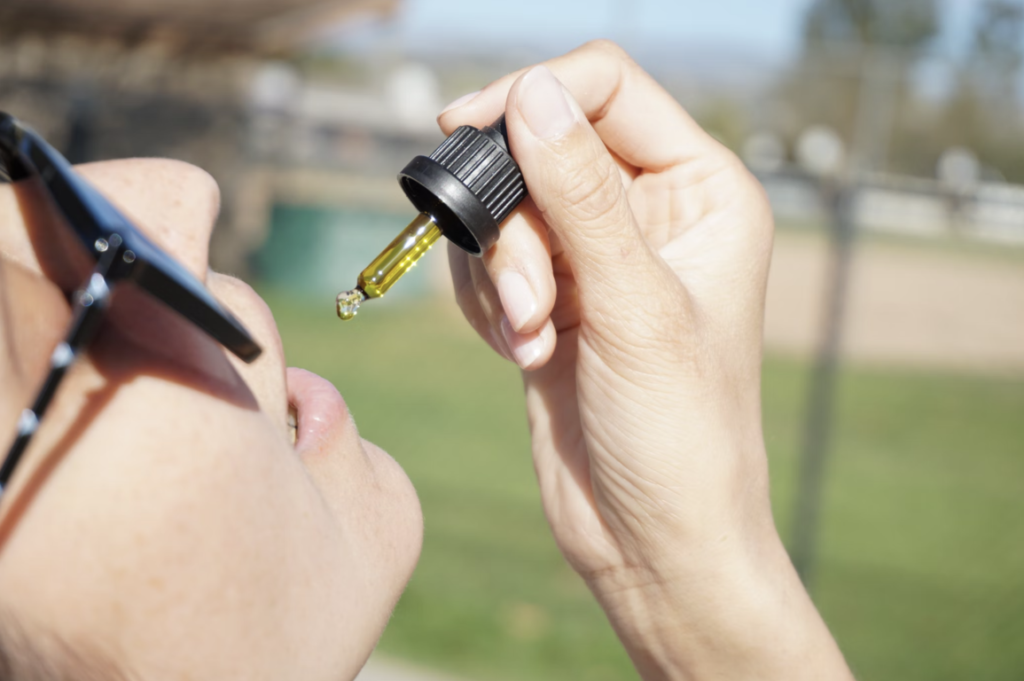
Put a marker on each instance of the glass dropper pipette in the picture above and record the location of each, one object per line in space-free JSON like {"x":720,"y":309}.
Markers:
{"x":464,"y":190}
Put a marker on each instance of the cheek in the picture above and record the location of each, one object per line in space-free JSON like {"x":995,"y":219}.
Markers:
{"x":394,"y":527}
{"x":190,"y":541}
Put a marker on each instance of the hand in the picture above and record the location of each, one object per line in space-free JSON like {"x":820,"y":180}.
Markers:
{"x":630,"y":288}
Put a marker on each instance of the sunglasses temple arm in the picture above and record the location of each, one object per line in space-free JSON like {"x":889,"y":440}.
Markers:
{"x":90,"y":304}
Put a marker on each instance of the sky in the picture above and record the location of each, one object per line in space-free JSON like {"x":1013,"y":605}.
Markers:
{"x":765,"y":29}
{"x":761,"y":26}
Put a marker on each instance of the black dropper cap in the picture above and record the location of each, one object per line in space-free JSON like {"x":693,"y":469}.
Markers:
{"x":469,"y":185}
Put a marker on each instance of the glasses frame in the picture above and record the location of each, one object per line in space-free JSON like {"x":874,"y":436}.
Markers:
{"x":122,"y":253}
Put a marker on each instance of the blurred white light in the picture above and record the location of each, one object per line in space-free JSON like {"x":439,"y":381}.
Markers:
{"x":414,"y":95}
{"x":820,"y":151}
{"x":275,"y":86}
{"x":764,"y":152}
{"x":959,"y":168}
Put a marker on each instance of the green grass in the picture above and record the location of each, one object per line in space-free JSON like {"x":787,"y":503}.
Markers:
{"x":921,"y":571}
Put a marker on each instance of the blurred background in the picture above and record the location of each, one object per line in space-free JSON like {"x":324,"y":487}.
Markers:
{"x":889,"y":135}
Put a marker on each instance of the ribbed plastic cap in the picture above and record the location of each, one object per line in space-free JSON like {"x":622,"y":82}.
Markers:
{"x":469,"y":185}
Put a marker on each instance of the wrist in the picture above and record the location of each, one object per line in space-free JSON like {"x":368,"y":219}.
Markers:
{"x":744,"y":615}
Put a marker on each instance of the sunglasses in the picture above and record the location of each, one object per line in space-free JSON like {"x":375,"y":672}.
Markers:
{"x":121,"y":253}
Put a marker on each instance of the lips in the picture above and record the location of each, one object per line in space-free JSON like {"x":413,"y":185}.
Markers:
{"x":321,"y":412}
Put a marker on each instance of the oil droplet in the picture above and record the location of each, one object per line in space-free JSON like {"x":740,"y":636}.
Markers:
{"x":348,"y":303}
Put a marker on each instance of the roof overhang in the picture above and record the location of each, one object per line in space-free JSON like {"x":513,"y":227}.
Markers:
{"x":265,"y":26}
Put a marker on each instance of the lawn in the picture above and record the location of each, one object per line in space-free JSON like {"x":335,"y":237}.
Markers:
{"x":921,"y":573}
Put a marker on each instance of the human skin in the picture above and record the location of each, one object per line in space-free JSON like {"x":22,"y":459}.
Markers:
{"x":630,"y":288}
{"x":163,"y":521}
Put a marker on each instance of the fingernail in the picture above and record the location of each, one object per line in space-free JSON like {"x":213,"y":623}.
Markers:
{"x":464,"y":99}
{"x":543,"y":104}
{"x":517,"y":298}
{"x":526,"y":348}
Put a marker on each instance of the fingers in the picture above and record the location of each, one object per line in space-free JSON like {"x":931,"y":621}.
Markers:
{"x":520,"y":266}
{"x":576,"y":185}
{"x":530,"y":350}
{"x":482,"y":305}
{"x":578,"y":173}
{"x":508,"y":294}
{"x":615,"y":94}
{"x":486,"y":294}
{"x":466,"y":297}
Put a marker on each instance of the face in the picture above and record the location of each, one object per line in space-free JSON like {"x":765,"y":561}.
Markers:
{"x":168,"y":515}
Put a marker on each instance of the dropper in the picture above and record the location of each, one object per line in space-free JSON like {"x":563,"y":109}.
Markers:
{"x":464,"y":190}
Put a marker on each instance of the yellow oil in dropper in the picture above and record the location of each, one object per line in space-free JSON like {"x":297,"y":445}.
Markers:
{"x":399,"y":257}
{"x":470,"y":182}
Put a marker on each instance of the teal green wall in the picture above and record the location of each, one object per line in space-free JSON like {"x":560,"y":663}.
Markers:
{"x":316,"y":252}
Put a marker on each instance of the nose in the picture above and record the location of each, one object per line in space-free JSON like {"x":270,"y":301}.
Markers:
{"x":176,"y":205}
{"x":266,"y":377}
{"x":173,"y":203}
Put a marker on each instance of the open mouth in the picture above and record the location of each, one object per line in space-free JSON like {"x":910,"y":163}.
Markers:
{"x":317,"y":414}
{"x":293,"y":424}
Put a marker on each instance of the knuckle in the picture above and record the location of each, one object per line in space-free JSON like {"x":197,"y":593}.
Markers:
{"x":607,"y":57}
{"x":607,"y":48}
{"x":592,"y":192}
{"x":756,"y":198}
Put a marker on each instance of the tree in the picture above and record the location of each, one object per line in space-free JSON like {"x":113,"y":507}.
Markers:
{"x":998,"y":47}
{"x":907,"y":24}
{"x":984,"y":112}
{"x":825,"y":85}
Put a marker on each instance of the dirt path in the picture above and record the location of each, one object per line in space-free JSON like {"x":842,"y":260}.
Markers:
{"x":909,"y":304}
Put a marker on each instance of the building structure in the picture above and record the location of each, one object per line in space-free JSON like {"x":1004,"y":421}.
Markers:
{"x":119,"y":78}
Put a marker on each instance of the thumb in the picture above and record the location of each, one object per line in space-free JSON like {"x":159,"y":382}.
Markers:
{"x":579,"y":189}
